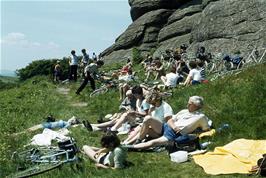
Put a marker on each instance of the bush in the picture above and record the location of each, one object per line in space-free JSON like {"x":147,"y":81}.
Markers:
{"x":42,"y":67}
{"x":136,"y":56}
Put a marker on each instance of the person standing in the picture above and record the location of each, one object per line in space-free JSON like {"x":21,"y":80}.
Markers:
{"x":94,"y":57}
{"x":57,"y":72}
{"x":73,"y":66}
{"x":91,"y":71}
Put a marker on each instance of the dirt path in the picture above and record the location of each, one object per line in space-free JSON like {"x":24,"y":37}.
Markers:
{"x":65,"y":91}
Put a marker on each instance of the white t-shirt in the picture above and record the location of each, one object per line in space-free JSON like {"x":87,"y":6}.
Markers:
{"x":195,"y":74}
{"x":162,"y":112}
{"x":171,"y":79}
{"x":143,"y":106}
{"x":188,"y":122}
{"x":73,"y":60}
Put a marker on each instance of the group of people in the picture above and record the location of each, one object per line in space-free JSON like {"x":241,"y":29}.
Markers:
{"x":152,"y":123}
{"x":151,"y":120}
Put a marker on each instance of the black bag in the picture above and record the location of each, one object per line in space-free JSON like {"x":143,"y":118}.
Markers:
{"x":262,"y":166}
{"x":70,"y":146}
{"x":183,"y":143}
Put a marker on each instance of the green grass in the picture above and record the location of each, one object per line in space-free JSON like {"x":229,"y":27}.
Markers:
{"x":238,"y":100}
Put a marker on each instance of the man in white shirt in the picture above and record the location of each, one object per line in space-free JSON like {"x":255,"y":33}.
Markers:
{"x":184,"y":122}
{"x":73,"y":66}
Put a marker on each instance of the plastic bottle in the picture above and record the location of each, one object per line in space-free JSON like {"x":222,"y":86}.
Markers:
{"x":204,"y":145}
{"x":223,"y":126}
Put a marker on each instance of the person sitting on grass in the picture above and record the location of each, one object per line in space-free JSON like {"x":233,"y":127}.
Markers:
{"x":159,"y":113}
{"x":184,"y":122}
{"x":111,"y":155}
{"x":156,"y":69}
{"x":194,"y":76}
{"x":142,"y":108}
{"x":170,"y":79}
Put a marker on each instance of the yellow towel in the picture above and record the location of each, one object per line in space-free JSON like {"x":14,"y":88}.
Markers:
{"x":236,"y":157}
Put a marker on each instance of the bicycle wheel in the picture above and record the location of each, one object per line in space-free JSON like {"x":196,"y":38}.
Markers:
{"x":36,"y":169}
{"x":98,"y":91}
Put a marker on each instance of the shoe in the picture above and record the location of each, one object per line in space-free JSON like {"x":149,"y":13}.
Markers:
{"x":77,"y":93}
{"x":87,"y":125}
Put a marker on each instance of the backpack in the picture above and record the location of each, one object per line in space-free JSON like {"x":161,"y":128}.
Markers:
{"x":262,"y":166}
{"x":187,"y":143}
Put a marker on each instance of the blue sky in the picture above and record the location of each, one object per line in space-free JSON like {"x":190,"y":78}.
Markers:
{"x":32,"y":30}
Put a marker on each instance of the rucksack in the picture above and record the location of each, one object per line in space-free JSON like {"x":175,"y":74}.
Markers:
{"x":262,"y":166}
{"x":187,"y":143}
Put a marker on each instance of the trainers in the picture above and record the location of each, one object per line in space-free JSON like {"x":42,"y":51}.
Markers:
{"x":87,"y":125}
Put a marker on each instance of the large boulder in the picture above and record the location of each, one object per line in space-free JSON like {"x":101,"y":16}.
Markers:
{"x":219,"y":25}
{"x":140,"y":7}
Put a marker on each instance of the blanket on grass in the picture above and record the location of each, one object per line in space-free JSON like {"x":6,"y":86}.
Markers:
{"x":236,"y":157}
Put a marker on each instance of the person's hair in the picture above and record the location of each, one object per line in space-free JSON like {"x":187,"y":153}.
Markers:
{"x":110,"y":141}
{"x":100,"y":63}
{"x":73,"y":52}
{"x":173,"y":69}
{"x":200,"y":63}
{"x":129,"y":72}
{"x":137,"y":90}
{"x":153,"y":96}
{"x":83,"y":50}
{"x":193,"y":64}
{"x":196,"y":100}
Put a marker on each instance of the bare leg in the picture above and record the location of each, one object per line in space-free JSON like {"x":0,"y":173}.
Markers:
{"x":105,"y":124}
{"x":90,"y":152}
{"x":156,"y":142}
{"x":133,"y":136}
{"x":125,"y":117}
{"x":151,"y":127}
{"x":163,"y":78}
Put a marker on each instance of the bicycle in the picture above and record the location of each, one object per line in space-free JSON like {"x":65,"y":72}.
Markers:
{"x":108,"y":84}
{"x":39,"y":160}
{"x":155,"y":86}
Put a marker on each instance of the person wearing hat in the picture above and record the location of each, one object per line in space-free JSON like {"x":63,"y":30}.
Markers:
{"x":129,"y":103}
{"x":184,"y":122}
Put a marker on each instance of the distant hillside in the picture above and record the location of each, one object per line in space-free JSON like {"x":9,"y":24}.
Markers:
{"x":7,"y":73}
{"x":8,"y":79}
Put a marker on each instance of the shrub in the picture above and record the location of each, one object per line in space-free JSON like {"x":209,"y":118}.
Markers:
{"x":136,"y":56}
{"x":42,"y":67}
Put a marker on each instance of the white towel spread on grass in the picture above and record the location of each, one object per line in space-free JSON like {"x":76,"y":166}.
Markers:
{"x":46,"y":137}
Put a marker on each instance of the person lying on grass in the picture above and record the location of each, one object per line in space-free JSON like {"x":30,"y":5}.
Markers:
{"x":111,"y":155}
{"x":51,"y":123}
{"x":184,"y":122}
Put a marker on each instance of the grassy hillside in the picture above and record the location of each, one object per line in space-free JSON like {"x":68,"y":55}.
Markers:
{"x":238,"y":100}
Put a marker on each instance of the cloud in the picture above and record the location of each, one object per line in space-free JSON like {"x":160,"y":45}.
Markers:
{"x":20,"y":39}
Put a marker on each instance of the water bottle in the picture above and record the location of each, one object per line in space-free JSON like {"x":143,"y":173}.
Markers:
{"x":224,"y":126}
{"x":204,"y":145}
